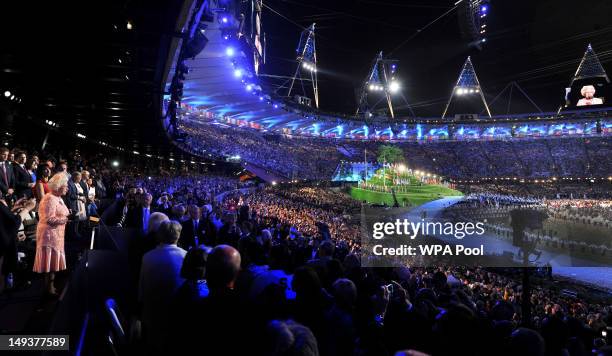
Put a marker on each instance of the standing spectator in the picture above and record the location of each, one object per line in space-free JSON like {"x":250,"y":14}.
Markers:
{"x":43,"y":173}
{"x":100,"y":187}
{"x":31,"y":166}
{"x":92,"y":207}
{"x":75,"y":200}
{"x":53,"y":216}
{"x":62,"y":167}
{"x":85,"y":187}
{"x":7,"y":177}
{"x":194,"y":229}
{"x":23,"y":179}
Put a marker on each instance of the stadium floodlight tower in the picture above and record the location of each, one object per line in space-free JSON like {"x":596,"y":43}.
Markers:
{"x":306,"y":61}
{"x":380,"y":79}
{"x":467,"y":84}
{"x":590,"y":67}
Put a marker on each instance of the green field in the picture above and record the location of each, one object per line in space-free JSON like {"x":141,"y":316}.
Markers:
{"x":415,"y":195}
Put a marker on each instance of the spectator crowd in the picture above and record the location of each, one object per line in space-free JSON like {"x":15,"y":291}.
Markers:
{"x":276,"y":271}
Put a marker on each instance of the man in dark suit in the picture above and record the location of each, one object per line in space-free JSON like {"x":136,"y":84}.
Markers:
{"x":72,"y":197}
{"x":193,"y":233}
{"x":85,"y":187}
{"x":138,"y":216}
{"x":7,"y":178}
{"x":23,"y":179}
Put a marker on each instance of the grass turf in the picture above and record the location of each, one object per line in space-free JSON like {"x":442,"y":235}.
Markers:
{"x":415,"y":195}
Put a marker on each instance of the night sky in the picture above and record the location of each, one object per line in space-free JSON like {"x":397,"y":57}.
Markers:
{"x":537,"y":43}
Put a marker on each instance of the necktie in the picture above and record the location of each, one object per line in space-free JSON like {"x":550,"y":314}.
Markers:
{"x":4,"y":175}
{"x":195,"y":232}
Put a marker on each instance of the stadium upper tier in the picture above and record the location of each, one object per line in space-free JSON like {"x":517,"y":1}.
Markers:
{"x":592,"y":123}
{"x":226,"y":113}
{"x":222,"y":84}
{"x":317,"y":158}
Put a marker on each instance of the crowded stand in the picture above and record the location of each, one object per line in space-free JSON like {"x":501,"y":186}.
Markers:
{"x":316,"y":158}
{"x":304,"y":159}
{"x":281,"y":264}
{"x":187,"y":181}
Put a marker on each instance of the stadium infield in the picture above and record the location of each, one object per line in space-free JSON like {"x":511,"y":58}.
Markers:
{"x":414,"y":196}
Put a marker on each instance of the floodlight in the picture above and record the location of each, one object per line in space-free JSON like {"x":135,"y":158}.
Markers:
{"x":394,"y":87}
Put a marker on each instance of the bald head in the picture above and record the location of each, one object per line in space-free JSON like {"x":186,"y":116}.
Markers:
{"x":222,"y":267}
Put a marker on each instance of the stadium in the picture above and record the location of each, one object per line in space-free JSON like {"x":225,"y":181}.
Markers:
{"x":321,"y":178}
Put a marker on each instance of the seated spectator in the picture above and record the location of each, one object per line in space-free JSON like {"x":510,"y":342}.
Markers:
{"x":10,"y":219}
{"x":159,"y":280}
{"x":217,"y":319}
{"x":290,"y":338}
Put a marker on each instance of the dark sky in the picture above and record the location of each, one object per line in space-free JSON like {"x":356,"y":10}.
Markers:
{"x":537,"y":43}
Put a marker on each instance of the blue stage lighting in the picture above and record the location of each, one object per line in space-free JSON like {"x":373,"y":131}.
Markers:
{"x":249,"y":87}
{"x":224,"y":19}
{"x":237,"y":73}
{"x":276,"y":106}
{"x":261,"y":98}
{"x":484,"y":8}
{"x":229,"y":51}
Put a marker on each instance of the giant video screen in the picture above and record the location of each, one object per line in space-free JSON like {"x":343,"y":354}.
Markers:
{"x":587,"y":93}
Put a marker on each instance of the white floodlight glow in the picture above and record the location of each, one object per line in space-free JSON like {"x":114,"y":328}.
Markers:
{"x":7,"y":94}
{"x":394,"y":86}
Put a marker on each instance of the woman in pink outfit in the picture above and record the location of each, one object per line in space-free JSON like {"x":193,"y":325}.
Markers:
{"x":53,"y":216}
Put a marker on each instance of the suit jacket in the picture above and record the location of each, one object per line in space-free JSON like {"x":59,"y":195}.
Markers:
{"x":100,"y":189}
{"x":22,"y":179}
{"x":188,"y":234}
{"x":85,"y":191}
{"x":9,"y":224}
{"x":72,"y":197}
{"x":134,"y":218}
{"x":9,"y":175}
